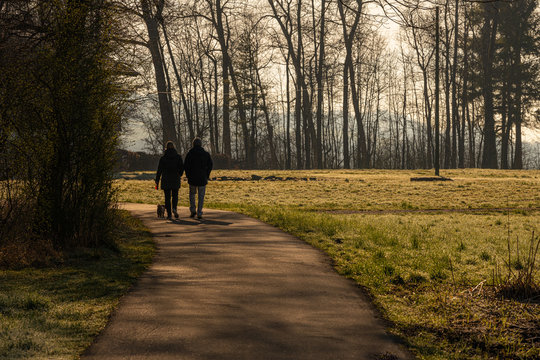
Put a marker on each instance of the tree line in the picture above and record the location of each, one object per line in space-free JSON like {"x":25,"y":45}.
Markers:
{"x":297,"y":84}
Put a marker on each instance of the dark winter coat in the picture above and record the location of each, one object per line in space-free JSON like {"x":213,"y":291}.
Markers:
{"x":198,"y":165}
{"x":170,"y":169}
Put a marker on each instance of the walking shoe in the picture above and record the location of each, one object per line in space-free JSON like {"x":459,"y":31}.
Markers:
{"x":192,"y":215}
{"x":175,"y":214}
{"x":199,"y":217}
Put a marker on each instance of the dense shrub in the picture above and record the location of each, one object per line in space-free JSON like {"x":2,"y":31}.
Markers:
{"x":61,"y":110}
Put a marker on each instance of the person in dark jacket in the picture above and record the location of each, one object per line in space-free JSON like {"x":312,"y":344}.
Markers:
{"x":198,"y":165}
{"x":170,"y":170}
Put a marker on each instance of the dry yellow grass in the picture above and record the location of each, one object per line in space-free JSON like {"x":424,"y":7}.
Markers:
{"x":363,"y":190}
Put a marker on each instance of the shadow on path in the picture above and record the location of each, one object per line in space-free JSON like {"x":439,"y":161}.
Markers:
{"x":234,"y":288}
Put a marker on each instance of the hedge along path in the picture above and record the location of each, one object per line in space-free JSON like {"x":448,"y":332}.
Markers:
{"x":231,"y":287}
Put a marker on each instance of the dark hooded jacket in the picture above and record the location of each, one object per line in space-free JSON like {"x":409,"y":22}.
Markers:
{"x":170,"y":169}
{"x":198,"y":165}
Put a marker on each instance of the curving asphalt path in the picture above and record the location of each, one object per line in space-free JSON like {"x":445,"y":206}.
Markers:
{"x":231,"y":287}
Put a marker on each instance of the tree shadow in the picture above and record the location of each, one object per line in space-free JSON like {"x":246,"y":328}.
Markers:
{"x":184,"y":222}
{"x":200,"y":221}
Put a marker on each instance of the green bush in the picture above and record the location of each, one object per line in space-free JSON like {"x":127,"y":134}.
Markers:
{"x":62,"y":107}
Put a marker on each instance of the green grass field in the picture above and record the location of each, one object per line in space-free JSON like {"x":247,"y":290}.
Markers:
{"x":55,"y":312}
{"x":428,"y":253}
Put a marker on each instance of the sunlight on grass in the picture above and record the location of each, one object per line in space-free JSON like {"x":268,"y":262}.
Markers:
{"x":430,"y":273}
{"x":361,"y":190}
{"x":55,"y":312}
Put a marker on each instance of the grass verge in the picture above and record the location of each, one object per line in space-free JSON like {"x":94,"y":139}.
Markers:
{"x":55,"y":312}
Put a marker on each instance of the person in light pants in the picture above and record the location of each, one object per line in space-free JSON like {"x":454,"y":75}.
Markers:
{"x":197,"y":165}
{"x":200,"y":191}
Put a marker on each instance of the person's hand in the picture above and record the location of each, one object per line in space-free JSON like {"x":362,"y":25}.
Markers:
{"x":157,"y":184}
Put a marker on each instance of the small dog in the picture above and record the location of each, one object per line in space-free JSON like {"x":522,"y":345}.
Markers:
{"x":161,"y":211}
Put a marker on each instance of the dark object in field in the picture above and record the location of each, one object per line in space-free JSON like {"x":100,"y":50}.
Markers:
{"x":227,"y":178}
{"x":161,"y":211}
{"x":267,"y":178}
{"x":273,"y":178}
{"x":135,"y":176}
{"x":431,"y":178}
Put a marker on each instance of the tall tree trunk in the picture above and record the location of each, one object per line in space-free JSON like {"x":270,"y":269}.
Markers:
{"x":455,"y":117}
{"x":288,"y":165}
{"x":524,"y":10}
{"x":307,"y":115}
{"x":518,"y":152}
{"x":472,"y":134}
{"x":464,"y":96}
{"x":226,"y":105}
{"x":437,"y":90}
{"x":216,"y":125}
{"x":517,"y":118}
{"x":362,"y":150}
{"x":448,"y":161}
{"x":429,"y":130}
{"x":348,"y":36}
{"x":298,"y":118}
{"x":506,"y":122}
{"x":320,"y":90}
{"x":228,"y":66}
{"x":489,"y":31}
{"x":189,"y":118}
{"x":423,"y":64}
{"x":404,"y":145}
{"x":346,"y":156}
{"x":165,"y":106}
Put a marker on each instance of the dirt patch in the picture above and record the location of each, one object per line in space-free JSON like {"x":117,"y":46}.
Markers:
{"x":431,"y":178}
{"x":260,"y":178}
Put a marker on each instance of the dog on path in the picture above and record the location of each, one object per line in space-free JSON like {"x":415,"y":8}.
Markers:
{"x":161,"y":211}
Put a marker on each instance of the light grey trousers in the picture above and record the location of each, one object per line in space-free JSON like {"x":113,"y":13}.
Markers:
{"x":200,"y":190}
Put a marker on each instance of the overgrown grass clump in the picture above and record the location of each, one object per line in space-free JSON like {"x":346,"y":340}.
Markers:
{"x":55,"y":312}
{"x":431,"y":273}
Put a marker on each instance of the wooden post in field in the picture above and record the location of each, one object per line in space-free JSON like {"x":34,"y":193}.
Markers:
{"x":436,"y":162}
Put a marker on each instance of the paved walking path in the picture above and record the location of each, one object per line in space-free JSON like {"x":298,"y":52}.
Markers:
{"x":231,"y":287}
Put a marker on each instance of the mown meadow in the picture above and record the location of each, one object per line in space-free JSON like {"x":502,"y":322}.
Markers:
{"x":450,"y":263}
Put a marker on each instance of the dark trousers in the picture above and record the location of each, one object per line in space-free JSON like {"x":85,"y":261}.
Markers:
{"x":168,"y":194}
